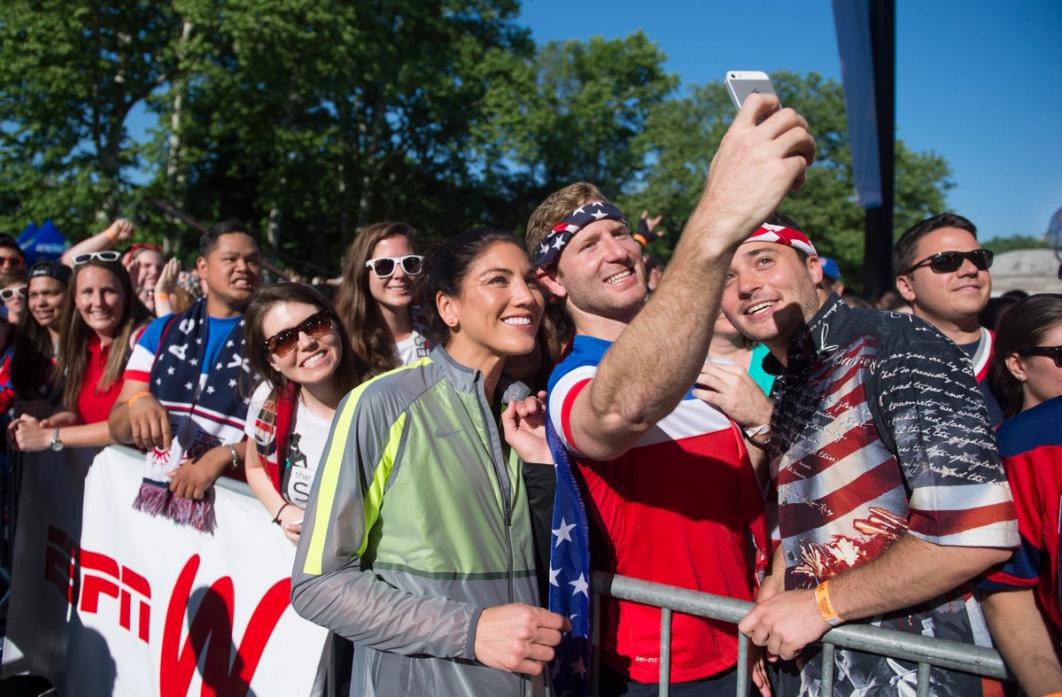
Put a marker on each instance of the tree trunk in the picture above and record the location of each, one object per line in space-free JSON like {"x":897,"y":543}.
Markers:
{"x":175,"y":174}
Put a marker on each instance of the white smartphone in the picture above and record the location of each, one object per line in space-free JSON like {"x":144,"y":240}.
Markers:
{"x":741,"y":83}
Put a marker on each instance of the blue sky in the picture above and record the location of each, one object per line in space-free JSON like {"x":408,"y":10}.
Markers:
{"x":978,"y":82}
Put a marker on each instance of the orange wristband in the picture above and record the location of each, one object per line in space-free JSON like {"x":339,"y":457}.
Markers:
{"x":111,"y":237}
{"x":138,"y":395}
{"x":822,"y":600}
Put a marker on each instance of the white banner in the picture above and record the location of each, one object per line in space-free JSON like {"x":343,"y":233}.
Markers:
{"x":107,"y":600}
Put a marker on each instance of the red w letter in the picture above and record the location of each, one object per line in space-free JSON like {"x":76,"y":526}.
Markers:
{"x":210,"y":630}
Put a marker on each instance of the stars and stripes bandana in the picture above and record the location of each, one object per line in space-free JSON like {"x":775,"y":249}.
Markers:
{"x":552,"y":244}
{"x":781,"y":234}
{"x":200,"y":419}
{"x":569,"y":576}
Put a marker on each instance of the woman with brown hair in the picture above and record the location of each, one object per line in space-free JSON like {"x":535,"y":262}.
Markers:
{"x":295,"y":341}
{"x":376,"y":295}
{"x":1023,"y":606}
{"x":100,"y":314}
{"x":417,"y":543}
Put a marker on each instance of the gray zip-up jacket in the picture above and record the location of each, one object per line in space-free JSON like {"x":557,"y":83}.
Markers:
{"x":416,"y":523}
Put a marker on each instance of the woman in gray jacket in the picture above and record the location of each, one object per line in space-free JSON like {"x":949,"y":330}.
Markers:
{"x":416,"y":543}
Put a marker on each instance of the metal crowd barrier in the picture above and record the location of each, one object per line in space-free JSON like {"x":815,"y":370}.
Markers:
{"x":925,"y":651}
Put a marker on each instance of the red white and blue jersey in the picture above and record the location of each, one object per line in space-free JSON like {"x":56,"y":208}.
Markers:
{"x":1031,"y":447}
{"x":677,"y":508}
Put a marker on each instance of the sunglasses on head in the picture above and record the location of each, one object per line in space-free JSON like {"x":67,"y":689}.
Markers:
{"x":946,"y":262}
{"x":1054,"y":352}
{"x":384,"y":267}
{"x":107,"y":255}
{"x":287,"y":340}
{"x":7,"y":294}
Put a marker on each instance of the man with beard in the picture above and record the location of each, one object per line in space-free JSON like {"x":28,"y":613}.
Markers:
{"x":890,"y":495}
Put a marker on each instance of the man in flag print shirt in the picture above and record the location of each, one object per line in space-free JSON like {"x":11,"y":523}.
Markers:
{"x":889,"y":491}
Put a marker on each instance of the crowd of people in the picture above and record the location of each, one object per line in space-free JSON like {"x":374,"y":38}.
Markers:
{"x":738,"y":424}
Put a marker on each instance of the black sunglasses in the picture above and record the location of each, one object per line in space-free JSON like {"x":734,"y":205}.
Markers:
{"x":946,"y":262}
{"x":287,"y":340}
{"x":9,"y":293}
{"x":1049,"y":351}
{"x":384,"y":267}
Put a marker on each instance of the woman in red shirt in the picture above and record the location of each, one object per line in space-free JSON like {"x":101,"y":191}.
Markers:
{"x":101,"y":315}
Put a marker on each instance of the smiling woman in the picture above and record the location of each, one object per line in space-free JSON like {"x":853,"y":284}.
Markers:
{"x":30,"y":387}
{"x":296,"y":342}
{"x":98,"y":317}
{"x":417,"y":539}
{"x":375,"y":298}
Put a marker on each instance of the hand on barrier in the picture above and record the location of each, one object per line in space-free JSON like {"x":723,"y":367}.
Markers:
{"x":149,"y":422}
{"x":518,"y":638}
{"x":291,"y":522}
{"x":784,"y":623}
{"x":192,"y":479}
{"x":758,"y":672}
{"x":731,"y":390}
{"x":28,"y":435}
{"x":524,"y":428}
{"x":763,"y":155}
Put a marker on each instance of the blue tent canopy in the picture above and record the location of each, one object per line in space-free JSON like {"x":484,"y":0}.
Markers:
{"x":27,"y":234}
{"x":46,"y":242}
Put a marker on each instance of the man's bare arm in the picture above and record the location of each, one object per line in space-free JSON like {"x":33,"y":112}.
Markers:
{"x":656,"y":359}
{"x":118,"y":420}
{"x":910,"y":572}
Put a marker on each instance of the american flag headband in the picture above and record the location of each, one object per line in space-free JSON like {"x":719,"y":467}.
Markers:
{"x":549,"y":249}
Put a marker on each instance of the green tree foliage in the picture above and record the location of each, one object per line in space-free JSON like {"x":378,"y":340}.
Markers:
{"x":574,"y":111}
{"x":681,"y":135}
{"x":1007,"y":244}
{"x":311,"y":118}
{"x":71,"y":72}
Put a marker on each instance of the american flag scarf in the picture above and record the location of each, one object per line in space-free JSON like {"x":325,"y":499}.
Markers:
{"x":569,"y":576}
{"x":199,"y":418}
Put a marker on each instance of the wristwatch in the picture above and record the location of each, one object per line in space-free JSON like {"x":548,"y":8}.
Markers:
{"x":57,"y":443}
{"x":760,"y":435}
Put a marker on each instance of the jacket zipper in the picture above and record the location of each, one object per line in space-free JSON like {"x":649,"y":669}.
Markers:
{"x":498,"y":460}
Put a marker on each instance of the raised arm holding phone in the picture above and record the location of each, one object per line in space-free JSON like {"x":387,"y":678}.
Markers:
{"x":622,"y":405}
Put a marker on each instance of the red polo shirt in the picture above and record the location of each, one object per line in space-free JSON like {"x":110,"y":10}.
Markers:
{"x":95,"y":406}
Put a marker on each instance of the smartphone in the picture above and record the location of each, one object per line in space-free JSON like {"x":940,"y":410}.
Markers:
{"x":741,"y":83}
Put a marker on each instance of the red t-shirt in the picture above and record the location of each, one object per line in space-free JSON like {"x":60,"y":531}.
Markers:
{"x":95,"y":406}
{"x":681,"y":507}
{"x":1031,"y":446}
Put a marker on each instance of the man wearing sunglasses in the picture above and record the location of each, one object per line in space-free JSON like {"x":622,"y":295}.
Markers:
{"x":11,"y":256}
{"x":943,"y":272}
